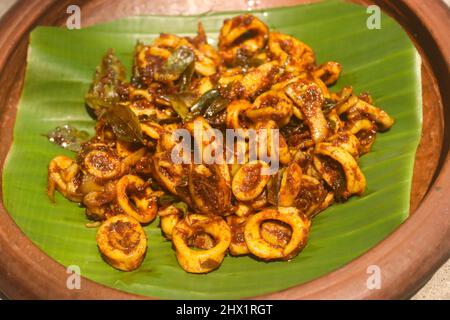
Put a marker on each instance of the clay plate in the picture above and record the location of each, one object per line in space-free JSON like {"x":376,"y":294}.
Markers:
{"x":408,"y":257}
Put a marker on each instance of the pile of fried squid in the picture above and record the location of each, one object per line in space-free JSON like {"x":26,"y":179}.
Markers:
{"x":124,"y":176}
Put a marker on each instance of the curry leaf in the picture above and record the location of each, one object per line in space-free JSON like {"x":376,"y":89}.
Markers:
{"x":180,"y":102}
{"x":181,"y":206}
{"x":205,"y":101}
{"x":124,"y":123}
{"x":109,"y":75}
{"x":179,"y":61}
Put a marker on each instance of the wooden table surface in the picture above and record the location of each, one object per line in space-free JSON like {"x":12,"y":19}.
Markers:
{"x":439,"y":285}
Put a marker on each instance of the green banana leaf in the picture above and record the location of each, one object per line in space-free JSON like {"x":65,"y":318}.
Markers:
{"x":60,"y":68}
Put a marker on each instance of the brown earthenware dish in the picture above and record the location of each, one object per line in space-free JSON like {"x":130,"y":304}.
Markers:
{"x":408,"y":257}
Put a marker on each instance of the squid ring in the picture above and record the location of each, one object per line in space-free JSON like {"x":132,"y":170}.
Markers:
{"x":273,"y":105}
{"x":275,"y":233}
{"x":102,"y":164}
{"x":267,"y":251}
{"x":380,"y":116}
{"x":290,"y":185}
{"x":361,"y":125}
{"x":152,"y":130}
{"x":246,"y":33}
{"x":328,"y":72}
{"x":288,"y":50}
{"x":355,"y":180}
{"x":347,"y":141}
{"x":122,"y":242}
{"x":62,"y":173}
{"x":267,"y":133}
{"x":169,"y":217}
{"x":250,"y":180}
{"x":201,"y":261}
{"x":234,"y":112}
{"x":365,"y":131}
{"x":311,"y":196}
{"x":238,"y":247}
{"x":140,"y":204}
{"x":309,"y":98}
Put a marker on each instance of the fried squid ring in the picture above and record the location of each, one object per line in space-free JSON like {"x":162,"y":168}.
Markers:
{"x":167,"y":140}
{"x":311,"y":195}
{"x":335,"y":124}
{"x":152,"y":130}
{"x":328,"y":201}
{"x":365,"y":130}
{"x":132,"y":159}
{"x":168,"y":219}
{"x":209,"y":187}
{"x":243,"y":35}
{"x":201,"y":261}
{"x":63,"y":175}
{"x":274,"y":105}
{"x":264,"y":142}
{"x":136,"y":198}
{"x":204,"y":134}
{"x":173,"y":177}
{"x":291,"y":52}
{"x":276,"y":233}
{"x":309,"y":98}
{"x":207,"y":60}
{"x":259,"y":202}
{"x":266,"y":251}
{"x":328,"y":72}
{"x":122,"y":242}
{"x":381,"y":117}
{"x":378,"y":115}
{"x":235,"y":111}
{"x":355,"y":182}
{"x":200,"y":86}
{"x":102,"y":164}
{"x":243,"y":209}
{"x":238,"y":247}
{"x":290,"y":185}
{"x":347,"y":141}
{"x":250,"y":180}
{"x":256,"y":81}
{"x":124,"y":149}
{"x":98,"y":203}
